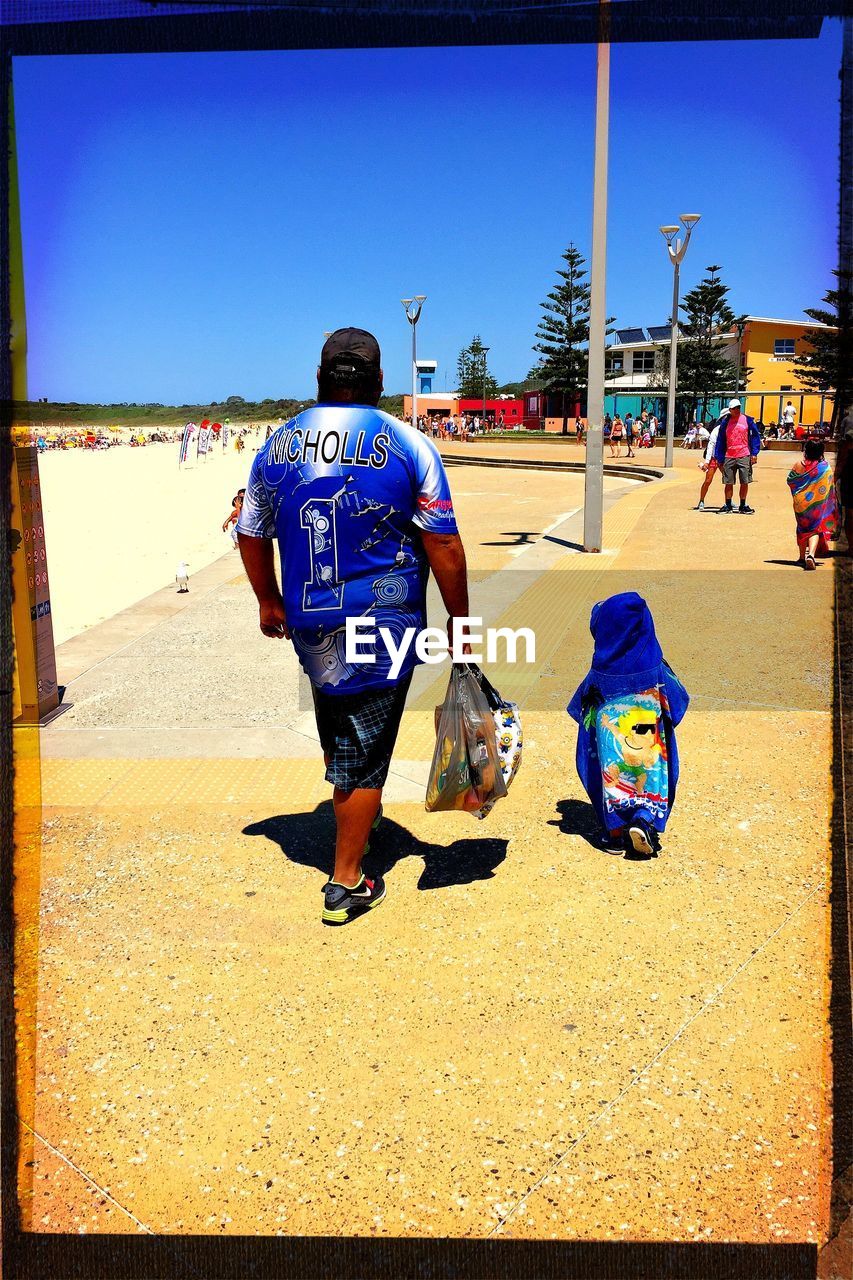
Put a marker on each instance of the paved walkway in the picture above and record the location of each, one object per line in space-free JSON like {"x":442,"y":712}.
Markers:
{"x":530,"y":1038}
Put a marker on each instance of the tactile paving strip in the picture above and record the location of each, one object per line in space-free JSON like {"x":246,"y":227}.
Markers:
{"x":193,"y":781}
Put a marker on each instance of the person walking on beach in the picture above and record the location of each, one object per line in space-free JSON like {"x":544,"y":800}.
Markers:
{"x":627,"y":709}
{"x":361,"y":508}
{"x":616,"y":433}
{"x":236,"y":507}
{"x":736,"y":451}
{"x":815,"y":505}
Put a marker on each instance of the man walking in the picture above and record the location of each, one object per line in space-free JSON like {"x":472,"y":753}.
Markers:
{"x":630,"y":428}
{"x":361,"y":508}
{"x":789,"y":416}
{"x":736,"y":452}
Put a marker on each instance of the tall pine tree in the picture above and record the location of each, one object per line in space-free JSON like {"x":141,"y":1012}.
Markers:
{"x":472,"y":372}
{"x":703,"y":366}
{"x":826,"y":363}
{"x":563,"y":335}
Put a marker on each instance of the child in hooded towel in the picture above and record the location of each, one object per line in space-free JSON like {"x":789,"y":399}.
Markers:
{"x":627,"y":708}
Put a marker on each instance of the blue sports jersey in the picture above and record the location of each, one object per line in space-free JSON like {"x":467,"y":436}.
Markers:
{"x":345,"y":489}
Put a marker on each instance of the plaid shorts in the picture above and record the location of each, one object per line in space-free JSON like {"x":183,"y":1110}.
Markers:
{"x":737,"y":469}
{"x":358,"y":732}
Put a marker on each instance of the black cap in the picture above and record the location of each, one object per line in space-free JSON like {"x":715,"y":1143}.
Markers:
{"x":354,"y":346}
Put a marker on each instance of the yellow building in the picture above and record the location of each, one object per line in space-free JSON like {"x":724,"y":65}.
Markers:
{"x":769,"y":350}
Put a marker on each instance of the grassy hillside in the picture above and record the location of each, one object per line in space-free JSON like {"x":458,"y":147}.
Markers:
{"x":239,"y":411}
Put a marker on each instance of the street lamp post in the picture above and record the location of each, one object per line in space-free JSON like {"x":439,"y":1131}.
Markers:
{"x":676,"y":250}
{"x":593,"y":499}
{"x":413,"y":308}
{"x":486,"y":351}
{"x":740,"y":325}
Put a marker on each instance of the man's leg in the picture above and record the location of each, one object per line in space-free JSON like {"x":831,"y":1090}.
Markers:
{"x":358,"y":733}
{"x":745,"y":478}
{"x":355,"y":812}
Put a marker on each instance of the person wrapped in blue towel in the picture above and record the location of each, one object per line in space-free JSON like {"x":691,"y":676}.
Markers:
{"x":627,"y":709}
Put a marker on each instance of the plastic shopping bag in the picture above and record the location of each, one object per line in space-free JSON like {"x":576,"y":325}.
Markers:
{"x":466,"y":770}
{"x":509,"y":736}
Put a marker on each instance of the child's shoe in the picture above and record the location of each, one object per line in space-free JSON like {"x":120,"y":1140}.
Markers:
{"x":643,"y":838}
{"x":610,"y":842}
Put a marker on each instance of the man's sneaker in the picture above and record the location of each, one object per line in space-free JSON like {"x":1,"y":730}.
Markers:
{"x":745,"y":510}
{"x":643,"y":837}
{"x":726,"y":510}
{"x":342,"y":903}
{"x":610,"y":843}
{"x":700,"y":506}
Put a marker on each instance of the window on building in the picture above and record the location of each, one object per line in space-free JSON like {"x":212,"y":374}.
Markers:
{"x":783,"y":346}
{"x":614,"y":364}
{"x":644,"y":361}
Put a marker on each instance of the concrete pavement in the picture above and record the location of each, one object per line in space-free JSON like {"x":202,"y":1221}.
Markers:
{"x":529,"y":1038}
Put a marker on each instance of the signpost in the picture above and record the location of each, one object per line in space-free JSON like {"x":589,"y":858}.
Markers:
{"x":36,"y":694}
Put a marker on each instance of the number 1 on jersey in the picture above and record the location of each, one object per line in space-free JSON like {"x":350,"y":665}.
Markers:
{"x":322,"y":590}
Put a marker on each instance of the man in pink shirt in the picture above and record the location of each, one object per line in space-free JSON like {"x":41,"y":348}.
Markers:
{"x":736,"y":452}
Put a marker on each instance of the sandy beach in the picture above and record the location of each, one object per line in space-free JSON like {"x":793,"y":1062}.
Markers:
{"x":117,"y":523}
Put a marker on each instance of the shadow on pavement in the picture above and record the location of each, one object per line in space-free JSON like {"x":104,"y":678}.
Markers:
{"x":308,"y":839}
{"x":798,"y":564}
{"x":577,"y":818}
{"x":521,"y":538}
{"x":562,"y":542}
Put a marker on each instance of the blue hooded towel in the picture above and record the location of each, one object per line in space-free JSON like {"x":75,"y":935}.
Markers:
{"x":627,"y":708}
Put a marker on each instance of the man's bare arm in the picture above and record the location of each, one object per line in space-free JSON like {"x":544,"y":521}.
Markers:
{"x":446,"y":556}
{"x":259,"y":563}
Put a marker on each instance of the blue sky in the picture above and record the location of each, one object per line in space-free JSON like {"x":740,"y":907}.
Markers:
{"x":193,"y":223}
